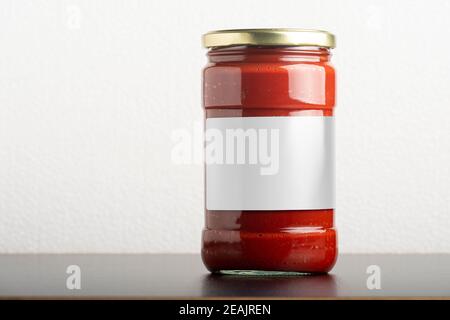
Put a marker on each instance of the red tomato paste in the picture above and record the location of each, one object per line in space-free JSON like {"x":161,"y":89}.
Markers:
{"x":279,"y":80}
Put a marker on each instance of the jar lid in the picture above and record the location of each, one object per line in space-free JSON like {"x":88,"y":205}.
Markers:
{"x":269,"y":37}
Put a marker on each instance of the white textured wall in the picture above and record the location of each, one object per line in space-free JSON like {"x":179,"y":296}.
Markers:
{"x":91,"y":91}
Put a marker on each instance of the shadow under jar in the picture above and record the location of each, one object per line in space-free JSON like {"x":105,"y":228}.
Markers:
{"x":268,"y":96}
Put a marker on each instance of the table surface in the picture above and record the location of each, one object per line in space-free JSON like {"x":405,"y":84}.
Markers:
{"x":183,"y":276}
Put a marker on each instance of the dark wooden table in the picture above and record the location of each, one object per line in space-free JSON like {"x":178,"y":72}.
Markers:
{"x":183,"y":276}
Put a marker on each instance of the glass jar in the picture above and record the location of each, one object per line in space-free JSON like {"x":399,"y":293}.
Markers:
{"x":269,"y":96}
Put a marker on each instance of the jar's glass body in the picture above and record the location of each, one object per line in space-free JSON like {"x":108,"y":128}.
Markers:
{"x":252,"y":81}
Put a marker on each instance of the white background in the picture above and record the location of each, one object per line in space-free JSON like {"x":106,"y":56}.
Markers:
{"x":91,"y":92}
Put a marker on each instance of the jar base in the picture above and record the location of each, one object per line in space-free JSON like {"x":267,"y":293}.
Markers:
{"x":257,"y":253}
{"x":263,"y":273}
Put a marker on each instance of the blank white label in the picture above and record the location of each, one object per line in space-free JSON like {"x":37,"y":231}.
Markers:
{"x":269,"y":163}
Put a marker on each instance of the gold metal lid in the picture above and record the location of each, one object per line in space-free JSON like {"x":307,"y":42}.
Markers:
{"x":269,"y":37}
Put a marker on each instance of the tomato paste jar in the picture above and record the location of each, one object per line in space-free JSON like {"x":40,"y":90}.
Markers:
{"x":268,"y":96}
